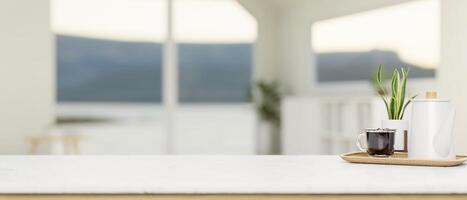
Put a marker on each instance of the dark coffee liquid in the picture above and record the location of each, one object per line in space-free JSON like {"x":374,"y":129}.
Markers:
{"x":380,"y":143}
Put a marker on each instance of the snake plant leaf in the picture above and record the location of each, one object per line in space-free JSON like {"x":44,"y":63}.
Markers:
{"x":394,"y":94}
{"x":392,"y":107}
{"x":402,"y":89}
{"x":405,"y":106}
{"x":394,"y":83}
{"x":379,"y":73}
{"x":387,"y":107}
{"x":379,"y":81}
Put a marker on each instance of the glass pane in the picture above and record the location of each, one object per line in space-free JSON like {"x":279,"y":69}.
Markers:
{"x":349,"y":48}
{"x":109,"y":57}
{"x":215,"y":40}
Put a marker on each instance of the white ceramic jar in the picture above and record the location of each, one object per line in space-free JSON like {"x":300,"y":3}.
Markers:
{"x":431,"y":129}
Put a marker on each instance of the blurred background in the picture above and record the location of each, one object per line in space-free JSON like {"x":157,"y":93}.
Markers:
{"x":216,"y":76}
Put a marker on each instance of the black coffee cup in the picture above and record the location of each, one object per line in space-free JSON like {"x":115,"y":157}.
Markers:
{"x":379,"y":141}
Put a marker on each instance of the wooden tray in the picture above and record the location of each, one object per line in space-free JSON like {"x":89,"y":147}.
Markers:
{"x":400,"y":159}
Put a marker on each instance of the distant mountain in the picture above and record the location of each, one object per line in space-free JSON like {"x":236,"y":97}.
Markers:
{"x":351,"y":66}
{"x":106,"y":70}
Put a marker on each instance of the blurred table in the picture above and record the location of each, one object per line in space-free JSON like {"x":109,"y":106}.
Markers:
{"x":60,"y":143}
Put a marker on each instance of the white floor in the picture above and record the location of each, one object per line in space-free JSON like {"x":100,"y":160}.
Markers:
{"x":138,"y":128}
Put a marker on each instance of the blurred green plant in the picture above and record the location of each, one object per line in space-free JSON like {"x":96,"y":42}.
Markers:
{"x":397,"y":102}
{"x":267,"y":99}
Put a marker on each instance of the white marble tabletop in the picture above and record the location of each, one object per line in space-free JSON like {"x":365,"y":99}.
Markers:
{"x":220,"y":175}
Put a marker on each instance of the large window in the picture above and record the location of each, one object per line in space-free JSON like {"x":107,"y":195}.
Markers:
{"x":109,"y":50}
{"x":349,"y":48}
{"x":110,"y":62}
{"x":215,"y":42}
{"x":109,"y":57}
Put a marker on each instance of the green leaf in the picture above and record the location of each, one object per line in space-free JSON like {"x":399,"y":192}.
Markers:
{"x":394,"y":83}
{"x":379,"y":73}
{"x":394,"y":94}
{"x":387,"y":107}
{"x":380,"y":84}
{"x":399,"y":96}
{"x":402,"y":91}
{"x":392,"y":108}
{"x":379,"y":79}
{"x":405,"y":106}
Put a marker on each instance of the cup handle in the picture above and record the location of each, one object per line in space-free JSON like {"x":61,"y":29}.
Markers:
{"x":358,"y":142}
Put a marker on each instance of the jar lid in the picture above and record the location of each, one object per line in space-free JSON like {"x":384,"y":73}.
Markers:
{"x":380,"y":130}
{"x":431,"y":96}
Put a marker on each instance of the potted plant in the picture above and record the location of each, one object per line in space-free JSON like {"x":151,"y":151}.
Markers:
{"x":267,"y":99}
{"x":396,"y":103}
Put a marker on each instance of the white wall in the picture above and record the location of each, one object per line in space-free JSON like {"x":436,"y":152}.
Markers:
{"x":26,"y":72}
{"x":453,"y":70}
{"x":266,"y":54}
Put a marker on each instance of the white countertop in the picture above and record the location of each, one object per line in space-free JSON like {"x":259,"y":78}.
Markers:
{"x":220,"y":174}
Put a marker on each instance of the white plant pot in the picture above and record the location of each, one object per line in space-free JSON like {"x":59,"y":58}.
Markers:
{"x":400,"y":139}
{"x":267,"y":138}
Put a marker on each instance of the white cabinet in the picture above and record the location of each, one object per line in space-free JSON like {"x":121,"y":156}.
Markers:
{"x":327,"y":125}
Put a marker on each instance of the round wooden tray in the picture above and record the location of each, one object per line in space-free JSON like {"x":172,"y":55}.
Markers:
{"x":400,"y":159}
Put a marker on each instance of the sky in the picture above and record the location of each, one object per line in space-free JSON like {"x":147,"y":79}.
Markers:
{"x":196,"y":21}
{"x":410,"y":29}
